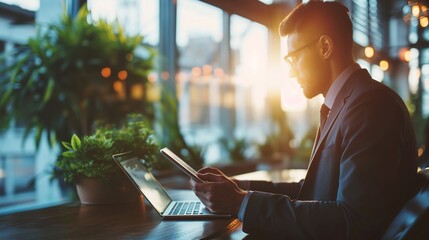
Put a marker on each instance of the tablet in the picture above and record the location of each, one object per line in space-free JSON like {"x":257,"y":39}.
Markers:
{"x":167,"y":153}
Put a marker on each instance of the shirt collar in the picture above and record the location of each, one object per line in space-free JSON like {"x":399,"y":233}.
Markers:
{"x":339,"y":83}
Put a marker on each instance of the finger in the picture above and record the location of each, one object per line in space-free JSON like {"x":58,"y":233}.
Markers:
{"x":210,"y":170}
{"x":202,"y":196}
{"x":217,"y":207}
{"x":201,"y":187}
{"x":210,"y":189}
{"x":210,"y":177}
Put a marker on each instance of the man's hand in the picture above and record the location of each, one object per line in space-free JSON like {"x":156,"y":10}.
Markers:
{"x":219,"y":193}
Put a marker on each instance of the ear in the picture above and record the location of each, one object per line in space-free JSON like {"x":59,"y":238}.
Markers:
{"x":327,"y":46}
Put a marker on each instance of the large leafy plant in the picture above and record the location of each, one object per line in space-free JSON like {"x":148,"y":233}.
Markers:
{"x":91,"y":156}
{"x":69,"y":76}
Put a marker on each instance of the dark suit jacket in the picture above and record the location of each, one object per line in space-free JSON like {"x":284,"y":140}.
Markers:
{"x":359,"y":173}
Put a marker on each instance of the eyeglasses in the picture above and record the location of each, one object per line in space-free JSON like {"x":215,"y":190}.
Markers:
{"x":290,"y":58}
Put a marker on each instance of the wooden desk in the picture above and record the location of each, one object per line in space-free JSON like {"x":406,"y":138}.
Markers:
{"x":124,"y":221}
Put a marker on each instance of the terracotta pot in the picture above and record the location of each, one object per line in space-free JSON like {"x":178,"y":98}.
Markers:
{"x":93,"y":190}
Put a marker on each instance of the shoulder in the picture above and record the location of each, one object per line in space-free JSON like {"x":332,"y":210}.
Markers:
{"x":370,"y":103}
{"x":365,"y":90}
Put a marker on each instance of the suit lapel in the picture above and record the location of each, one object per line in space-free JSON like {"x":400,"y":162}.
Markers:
{"x":340,"y":100}
{"x":333,"y":114}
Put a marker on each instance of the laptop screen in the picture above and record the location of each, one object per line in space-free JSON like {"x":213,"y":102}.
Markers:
{"x":145,"y":181}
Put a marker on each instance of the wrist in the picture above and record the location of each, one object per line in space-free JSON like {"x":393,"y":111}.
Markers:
{"x":238,"y":201}
{"x":243,"y":184}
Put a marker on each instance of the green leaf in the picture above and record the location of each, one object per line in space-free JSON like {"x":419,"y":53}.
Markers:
{"x":48,"y":91}
{"x":12,"y":81}
{"x":68,"y":154}
{"x":52,"y":138}
{"x":75,"y":142}
{"x":38,"y":135}
{"x":67,"y":145}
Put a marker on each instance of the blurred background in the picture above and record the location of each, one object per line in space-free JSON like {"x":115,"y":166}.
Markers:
{"x":214,"y":86}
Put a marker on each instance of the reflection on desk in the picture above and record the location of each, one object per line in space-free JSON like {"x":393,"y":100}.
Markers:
{"x":285,"y":175}
{"x":121,"y":221}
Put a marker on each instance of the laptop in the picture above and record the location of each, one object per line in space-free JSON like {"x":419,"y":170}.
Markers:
{"x":156,"y":195}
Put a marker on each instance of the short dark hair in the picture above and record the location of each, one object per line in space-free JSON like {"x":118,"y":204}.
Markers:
{"x":318,"y":18}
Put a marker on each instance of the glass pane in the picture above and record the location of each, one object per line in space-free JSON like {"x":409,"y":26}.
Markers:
{"x":24,"y":174}
{"x":136,"y":16}
{"x":249,"y":45}
{"x":199,"y":40}
{"x":18,"y":180}
{"x":32,"y":5}
{"x":200,"y":76}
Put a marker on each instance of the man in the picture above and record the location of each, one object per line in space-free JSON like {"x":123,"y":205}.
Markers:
{"x":364,"y":158}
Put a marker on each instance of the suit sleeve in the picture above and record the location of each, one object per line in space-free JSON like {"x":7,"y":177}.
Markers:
{"x":289,"y":189}
{"x":370,"y":142}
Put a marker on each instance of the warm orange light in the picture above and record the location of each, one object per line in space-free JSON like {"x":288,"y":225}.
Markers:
{"x":416,"y":10}
{"x":152,"y":77}
{"x":117,"y":86}
{"x":218,"y":72}
{"x":407,"y":55}
{"x":424,"y":8}
{"x":122,"y":75}
{"x":369,"y":52}
{"x":424,"y":21}
{"x":180,"y":77}
{"x":196,"y":71}
{"x":106,"y":72}
{"x":137,"y":91}
{"x":207,"y":70}
{"x":384,"y":65}
{"x":152,"y":93}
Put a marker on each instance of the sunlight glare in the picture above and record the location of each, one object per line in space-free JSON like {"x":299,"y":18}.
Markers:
{"x":292,"y":97}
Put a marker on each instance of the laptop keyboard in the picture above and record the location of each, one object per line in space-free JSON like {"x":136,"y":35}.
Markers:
{"x":186,"y":208}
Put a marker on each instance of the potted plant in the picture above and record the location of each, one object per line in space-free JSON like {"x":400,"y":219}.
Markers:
{"x":73,"y":73}
{"x":87,"y":161}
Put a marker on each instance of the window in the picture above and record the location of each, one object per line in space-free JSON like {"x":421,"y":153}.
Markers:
{"x":367,"y":20}
{"x":249,"y":45}
{"x":200,"y":76}
{"x":137,"y":17}
{"x":17,"y":179}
